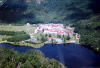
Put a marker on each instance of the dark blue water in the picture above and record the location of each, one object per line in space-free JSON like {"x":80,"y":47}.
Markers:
{"x":71,"y":55}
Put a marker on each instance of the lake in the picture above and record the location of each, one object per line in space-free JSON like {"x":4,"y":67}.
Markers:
{"x":71,"y":55}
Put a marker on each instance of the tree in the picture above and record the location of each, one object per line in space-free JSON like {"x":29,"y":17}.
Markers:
{"x":64,"y":39}
{"x":57,"y":35}
{"x":46,"y":35}
{"x":18,"y":38}
{"x":60,"y":36}
{"x":52,"y":40}
{"x":68,"y":37}
{"x":63,"y":36}
{"x":65,"y":26}
{"x":11,"y":33}
{"x":38,"y":38}
{"x":40,"y":34}
{"x":49,"y":35}
{"x":3,"y":39}
{"x":43,"y":30}
{"x":26,"y":65}
{"x":43,"y":39}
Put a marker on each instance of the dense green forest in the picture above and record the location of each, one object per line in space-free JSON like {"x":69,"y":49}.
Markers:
{"x":18,"y":38}
{"x":11,"y":33}
{"x":90,"y":31}
{"x":31,"y":59}
{"x":84,"y":15}
{"x":56,"y":11}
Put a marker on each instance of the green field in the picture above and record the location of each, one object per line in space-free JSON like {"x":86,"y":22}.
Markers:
{"x":27,"y":29}
{"x":39,"y":35}
{"x":38,"y":45}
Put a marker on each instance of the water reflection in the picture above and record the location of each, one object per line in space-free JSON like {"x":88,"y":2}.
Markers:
{"x":71,"y":55}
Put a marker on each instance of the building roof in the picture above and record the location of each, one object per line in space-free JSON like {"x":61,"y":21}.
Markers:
{"x":78,"y":36}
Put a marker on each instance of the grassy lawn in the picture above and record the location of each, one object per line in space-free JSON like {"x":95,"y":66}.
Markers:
{"x":1,"y":37}
{"x":29,"y":44}
{"x":25,"y":28}
{"x":39,"y":35}
{"x":53,"y":36}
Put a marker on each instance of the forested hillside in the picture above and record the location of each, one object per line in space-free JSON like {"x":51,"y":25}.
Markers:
{"x":84,"y":15}
{"x":31,"y":59}
{"x":56,"y":11}
{"x":90,"y":31}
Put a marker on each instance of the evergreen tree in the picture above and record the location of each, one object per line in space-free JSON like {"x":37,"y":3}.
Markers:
{"x":68,"y":37}
{"x":60,"y":36}
{"x":43,"y":39}
{"x":38,"y":38}
{"x":64,"y":39}
{"x":43,"y":30}
{"x":3,"y":39}
{"x":49,"y":35}
{"x":57,"y":35}
{"x":52,"y":40}
{"x":46,"y":35}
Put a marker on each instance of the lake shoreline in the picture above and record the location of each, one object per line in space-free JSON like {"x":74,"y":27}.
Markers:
{"x":53,"y":51}
{"x":12,"y":43}
{"x":43,"y":44}
{"x":87,"y":46}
